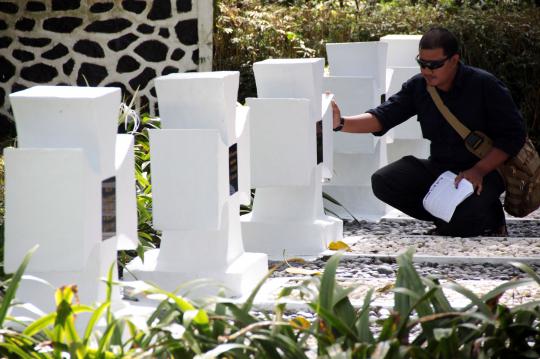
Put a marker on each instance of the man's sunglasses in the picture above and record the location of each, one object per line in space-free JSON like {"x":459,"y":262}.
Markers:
{"x":432,"y":65}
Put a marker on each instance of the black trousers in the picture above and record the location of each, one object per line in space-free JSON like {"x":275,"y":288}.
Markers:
{"x":404,"y":183}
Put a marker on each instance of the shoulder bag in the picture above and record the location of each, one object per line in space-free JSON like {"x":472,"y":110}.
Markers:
{"x":521,"y":173}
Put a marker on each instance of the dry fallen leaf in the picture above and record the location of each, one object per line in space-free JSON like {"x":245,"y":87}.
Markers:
{"x":295,"y":260}
{"x":302,"y":271}
{"x":299,"y":323}
{"x":339,"y":245}
{"x":385,"y":288}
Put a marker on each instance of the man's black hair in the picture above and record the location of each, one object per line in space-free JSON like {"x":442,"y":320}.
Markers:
{"x":439,"y":37}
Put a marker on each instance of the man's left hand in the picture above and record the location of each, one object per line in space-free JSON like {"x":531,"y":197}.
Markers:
{"x":473,"y":175}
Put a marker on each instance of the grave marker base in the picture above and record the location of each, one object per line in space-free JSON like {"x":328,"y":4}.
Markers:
{"x":217,"y":255}
{"x":91,"y":287}
{"x":238,"y":278}
{"x":290,"y":219}
{"x":290,"y":239}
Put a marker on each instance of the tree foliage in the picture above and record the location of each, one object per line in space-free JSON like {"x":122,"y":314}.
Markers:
{"x":502,"y":37}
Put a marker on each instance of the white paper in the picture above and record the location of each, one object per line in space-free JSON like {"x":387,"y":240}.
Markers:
{"x":443,"y":197}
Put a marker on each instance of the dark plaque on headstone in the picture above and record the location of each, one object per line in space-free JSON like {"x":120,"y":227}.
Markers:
{"x":108,"y":208}
{"x":233,"y":169}
{"x":383,"y":97}
{"x":319,"y":133}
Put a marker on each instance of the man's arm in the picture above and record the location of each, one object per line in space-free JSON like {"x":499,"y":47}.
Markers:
{"x":494,"y":158}
{"x":363,"y":123}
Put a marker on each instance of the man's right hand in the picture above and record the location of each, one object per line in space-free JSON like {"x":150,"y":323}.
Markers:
{"x":336,"y":114}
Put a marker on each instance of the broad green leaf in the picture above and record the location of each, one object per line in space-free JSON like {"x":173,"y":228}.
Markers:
{"x":428,"y":328}
{"x":14,"y":284}
{"x":362,"y":325}
{"x":475,"y":300}
{"x":334,"y":321}
{"x":64,"y":319}
{"x":104,"y":341}
{"x":287,"y":345}
{"x":240,"y":314}
{"x":108,"y":295}
{"x":439,"y":300}
{"x":329,"y":211}
{"x":527,"y":269}
{"x":525,"y":306}
{"x":506,"y":286}
{"x":16,"y":350}
{"x":331,"y":199}
{"x":189,"y":316}
{"x":341,"y":293}
{"x":345,"y":311}
{"x":328,"y":282}
{"x":93,"y":320}
{"x":40,"y":324}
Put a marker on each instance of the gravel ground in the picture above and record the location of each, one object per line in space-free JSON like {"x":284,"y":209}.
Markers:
{"x":447,"y":246}
{"x":389,"y":236}
{"x":524,"y":228}
{"x":359,"y":268}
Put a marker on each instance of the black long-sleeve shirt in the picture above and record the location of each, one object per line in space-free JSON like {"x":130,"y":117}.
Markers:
{"x":477,"y":98}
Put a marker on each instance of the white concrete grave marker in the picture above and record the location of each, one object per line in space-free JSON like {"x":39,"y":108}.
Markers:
{"x":244,"y":154}
{"x":61,"y":190}
{"x":405,"y":139}
{"x":291,"y":141}
{"x":60,"y":117}
{"x":291,"y":78}
{"x":363,"y":59}
{"x":402,"y":50}
{"x":354,"y":95}
{"x":357,"y":79}
{"x":126,"y":197}
{"x":290,"y":123}
{"x":195,"y":182}
{"x":189,"y":196}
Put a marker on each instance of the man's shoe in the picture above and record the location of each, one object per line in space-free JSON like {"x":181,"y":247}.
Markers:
{"x":500,"y":231}
{"x":432,"y":232}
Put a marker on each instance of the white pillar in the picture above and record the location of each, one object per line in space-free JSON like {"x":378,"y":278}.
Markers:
{"x":405,"y":139}
{"x":61,"y":191}
{"x":126,"y":194}
{"x":402,"y":50}
{"x":291,"y":142}
{"x":357,"y":79}
{"x":364,"y":59}
{"x":195,"y":183}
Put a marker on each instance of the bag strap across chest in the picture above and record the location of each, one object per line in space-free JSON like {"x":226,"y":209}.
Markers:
{"x":476,"y":142}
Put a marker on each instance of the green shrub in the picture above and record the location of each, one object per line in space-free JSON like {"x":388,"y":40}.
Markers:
{"x":422,"y":324}
{"x":501,"y":37}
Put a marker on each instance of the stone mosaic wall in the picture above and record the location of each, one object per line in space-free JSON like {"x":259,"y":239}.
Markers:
{"x":123,"y":43}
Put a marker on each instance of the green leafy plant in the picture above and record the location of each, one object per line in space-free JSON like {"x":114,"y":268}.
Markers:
{"x":422,"y":324}
{"x":138,"y":126}
{"x":504,"y":40}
